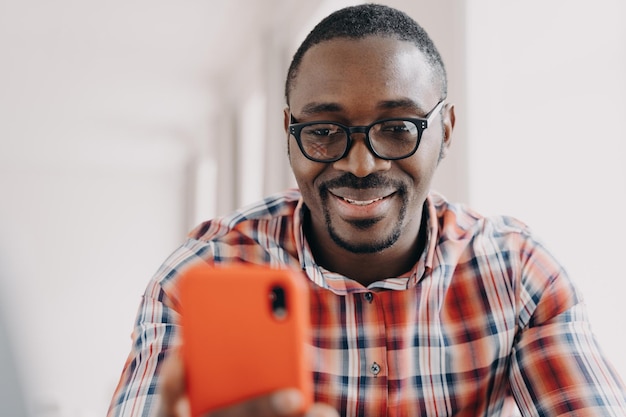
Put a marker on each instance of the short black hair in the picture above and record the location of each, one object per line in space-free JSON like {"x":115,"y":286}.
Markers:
{"x":357,"y":22}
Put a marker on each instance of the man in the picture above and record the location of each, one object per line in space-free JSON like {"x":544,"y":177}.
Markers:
{"x":419,"y":306}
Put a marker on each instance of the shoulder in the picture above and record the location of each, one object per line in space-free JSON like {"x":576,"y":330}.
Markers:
{"x":279,"y":207}
{"x":493,"y":241}
{"x":260,"y":233}
{"x":458,"y":221}
{"x":487,"y":247}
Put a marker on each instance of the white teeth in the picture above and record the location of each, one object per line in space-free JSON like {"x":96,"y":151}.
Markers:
{"x":362,"y":203}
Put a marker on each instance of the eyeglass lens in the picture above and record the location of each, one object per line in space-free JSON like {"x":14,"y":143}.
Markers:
{"x":388,"y":139}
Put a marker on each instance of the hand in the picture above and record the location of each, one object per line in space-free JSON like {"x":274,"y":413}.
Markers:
{"x":284,"y":403}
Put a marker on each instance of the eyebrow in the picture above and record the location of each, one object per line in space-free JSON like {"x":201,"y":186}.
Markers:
{"x":315,"y":108}
{"x":403,"y":103}
{"x":312,"y":109}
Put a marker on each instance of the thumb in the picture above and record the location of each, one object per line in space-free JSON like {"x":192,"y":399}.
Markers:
{"x":174,"y":402}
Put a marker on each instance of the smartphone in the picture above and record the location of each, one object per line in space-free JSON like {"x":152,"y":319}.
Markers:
{"x":245,"y":331}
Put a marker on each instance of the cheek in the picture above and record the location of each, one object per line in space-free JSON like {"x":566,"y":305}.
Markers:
{"x":421,"y":166}
{"x":304,"y":171}
{"x":429,"y":151}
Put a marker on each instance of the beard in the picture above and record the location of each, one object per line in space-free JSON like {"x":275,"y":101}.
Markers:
{"x":371,"y":181}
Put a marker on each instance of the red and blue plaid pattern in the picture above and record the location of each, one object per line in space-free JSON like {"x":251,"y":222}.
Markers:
{"x":487,"y":315}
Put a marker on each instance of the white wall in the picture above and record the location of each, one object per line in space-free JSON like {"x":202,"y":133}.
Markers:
{"x":546,"y":104}
{"x":100,"y":109}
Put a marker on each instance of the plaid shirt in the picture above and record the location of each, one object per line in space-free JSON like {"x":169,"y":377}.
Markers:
{"x":485,"y":316}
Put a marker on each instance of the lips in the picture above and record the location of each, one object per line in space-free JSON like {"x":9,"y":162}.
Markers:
{"x":358,"y":205}
{"x":361,"y":197}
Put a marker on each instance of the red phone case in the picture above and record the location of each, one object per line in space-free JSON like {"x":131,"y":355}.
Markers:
{"x":236,"y":345}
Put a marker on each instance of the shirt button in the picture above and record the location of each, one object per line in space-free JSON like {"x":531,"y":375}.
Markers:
{"x":368,"y":296}
{"x":375,"y":368}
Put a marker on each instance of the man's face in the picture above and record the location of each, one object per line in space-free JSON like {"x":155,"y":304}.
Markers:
{"x":361,"y":203}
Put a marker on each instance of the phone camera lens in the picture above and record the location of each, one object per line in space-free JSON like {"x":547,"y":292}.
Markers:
{"x":278,"y":302}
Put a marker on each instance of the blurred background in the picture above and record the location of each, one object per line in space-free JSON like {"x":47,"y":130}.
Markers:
{"x":125,"y":123}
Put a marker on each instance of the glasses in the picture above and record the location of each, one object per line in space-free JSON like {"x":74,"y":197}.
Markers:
{"x":390,"y":139}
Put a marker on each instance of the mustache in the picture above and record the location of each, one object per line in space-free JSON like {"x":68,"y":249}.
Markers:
{"x":349,"y":180}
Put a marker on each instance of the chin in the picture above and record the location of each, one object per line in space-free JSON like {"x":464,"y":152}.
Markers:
{"x":366,"y":246}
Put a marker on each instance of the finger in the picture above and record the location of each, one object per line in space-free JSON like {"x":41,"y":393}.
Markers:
{"x":172,"y":387}
{"x":282,"y":403}
{"x":321,"y":410}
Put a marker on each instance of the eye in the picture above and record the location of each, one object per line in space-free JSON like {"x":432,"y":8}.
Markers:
{"x":395,"y":126}
{"x":321,"y":130}
{"x":398,"y":127}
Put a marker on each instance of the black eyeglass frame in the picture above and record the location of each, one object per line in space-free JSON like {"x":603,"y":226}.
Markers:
{"x":420,"y":122}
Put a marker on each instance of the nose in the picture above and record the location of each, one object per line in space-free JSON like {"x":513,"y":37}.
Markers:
{"x":360,"y":161}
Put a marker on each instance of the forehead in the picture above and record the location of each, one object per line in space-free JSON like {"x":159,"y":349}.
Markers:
{"x":364,"y":71}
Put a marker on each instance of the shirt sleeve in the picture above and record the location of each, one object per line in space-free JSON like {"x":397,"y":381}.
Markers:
{"x":557,"y":365}
{"x":155,"y":335}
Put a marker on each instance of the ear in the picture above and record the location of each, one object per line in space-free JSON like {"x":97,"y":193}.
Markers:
{"x":449,"y":119}
{"x":286,"y":120}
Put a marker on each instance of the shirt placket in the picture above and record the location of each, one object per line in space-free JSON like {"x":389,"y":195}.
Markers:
{"x":371,"y":355}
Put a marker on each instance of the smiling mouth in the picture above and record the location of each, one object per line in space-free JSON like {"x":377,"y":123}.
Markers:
{"x":361,"y":202}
